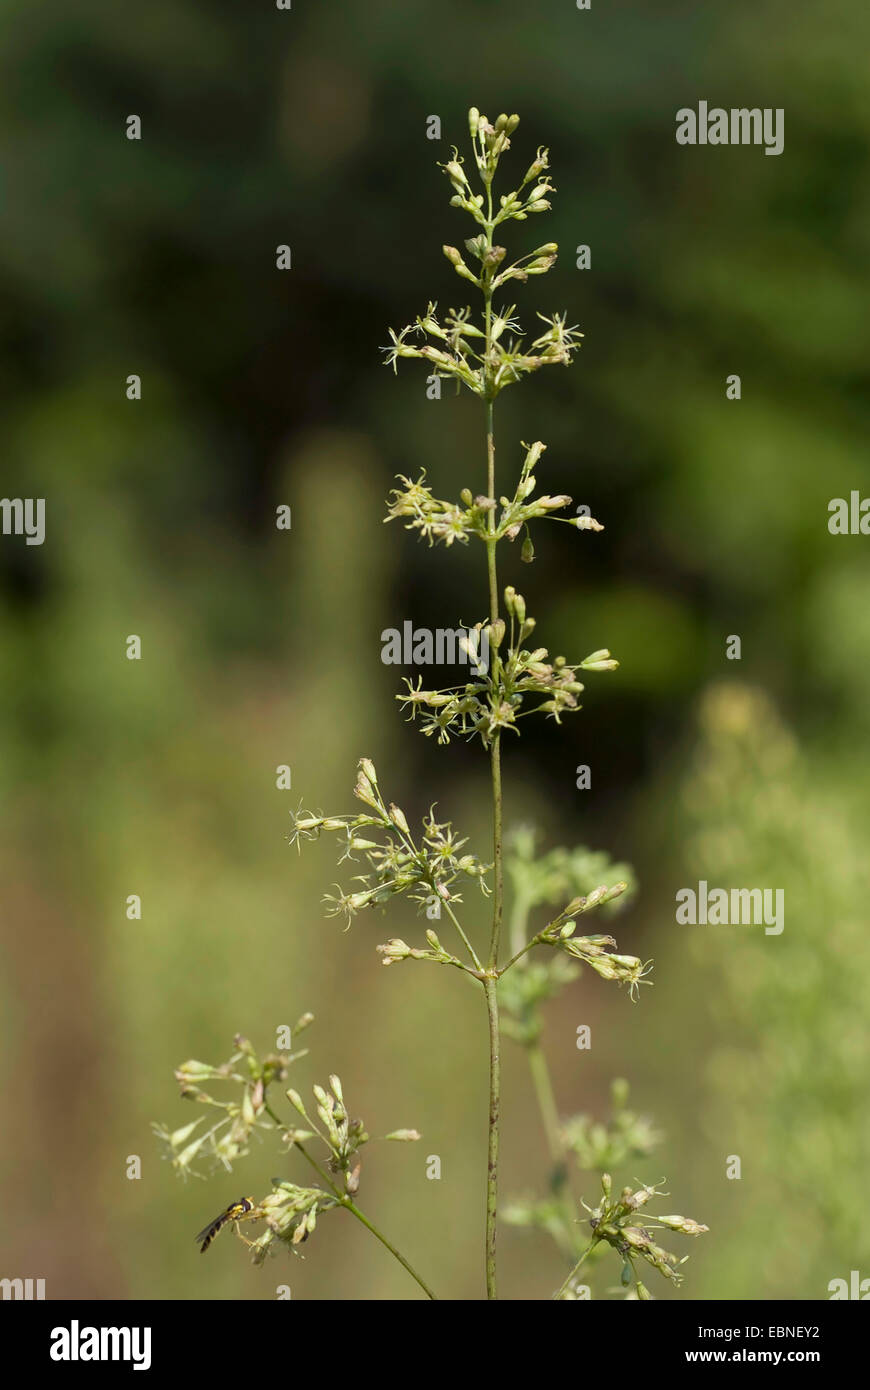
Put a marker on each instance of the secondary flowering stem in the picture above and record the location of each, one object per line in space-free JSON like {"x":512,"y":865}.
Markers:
{"x":468,"y":946}
{"x":519,"y":954}
{"x":347,"y":1202}
{"x":571,"y":1277}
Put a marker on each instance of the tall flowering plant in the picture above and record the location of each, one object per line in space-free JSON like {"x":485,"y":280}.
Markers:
{"x":484,"y":352}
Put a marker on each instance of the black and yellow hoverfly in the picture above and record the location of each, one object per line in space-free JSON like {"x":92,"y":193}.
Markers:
{"x":234,"y":1212}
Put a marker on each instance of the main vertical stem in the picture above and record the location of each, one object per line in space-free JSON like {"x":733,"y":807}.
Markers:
{"x":491,"y":984}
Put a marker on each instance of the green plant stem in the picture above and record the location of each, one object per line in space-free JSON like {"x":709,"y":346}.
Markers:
{"x":468,"y":946}
{"x":347,"y":1202}
{"x":588,"y":1251}
{"x":519,"y":954}
{"x":498,"y":853}
{"x":544,"y":1092}
{"x":491,"y":541}
{"x":355,"y":1211}
{"x":550,"y":1120}
{"x":490,"y":985}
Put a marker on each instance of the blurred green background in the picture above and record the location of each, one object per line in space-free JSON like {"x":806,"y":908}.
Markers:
{"x":262,"y":647}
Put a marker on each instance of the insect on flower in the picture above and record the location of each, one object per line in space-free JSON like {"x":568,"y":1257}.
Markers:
{"x":236,"y":1211}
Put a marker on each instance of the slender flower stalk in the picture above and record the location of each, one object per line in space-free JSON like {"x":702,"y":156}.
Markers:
{"x":564,"y":1290}
{"x":348,"y":1203}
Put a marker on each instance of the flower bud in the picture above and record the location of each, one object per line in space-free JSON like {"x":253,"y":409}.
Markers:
{"x":527,"y":554}
{"x":495,"y":632}
{"x":394,"y":950}
{"x":455,"y":259}
{"x":599,"y":661}
{"x":473,"y":122}
{"x":685,"y":1224}
{"x":196,"y":1071}
{"x":537,"y":168}
{"x":456,"y":174}
{"x":295,"y":1100}
{"x":533,"y":453}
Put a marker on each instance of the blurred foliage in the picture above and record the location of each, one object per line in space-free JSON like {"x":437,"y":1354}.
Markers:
{"x":308,"y":127}
{"x":786,"y":1075}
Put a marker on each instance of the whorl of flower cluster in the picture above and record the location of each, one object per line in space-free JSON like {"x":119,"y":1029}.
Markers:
{"x":398,"y":865}
{"x":289,"y":1211}
{"x":594,"y":1145}
{"x":438,"y":520}
{"x":615,"y":1222}
{"x":228,"y":1139}
{"x":494,"y":701}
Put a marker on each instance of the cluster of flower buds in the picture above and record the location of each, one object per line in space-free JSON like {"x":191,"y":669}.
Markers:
{"x":396,"y":949}
{"x":519,"y":510}
{"x":486,"y":374}
{"x":290,"y":1213}
{"x":490,"y":141}
{"x":614,"y":1221}
{"x":438,"y":520}
{"x":228,"y":1138}
{"x":343,"y":1136}
{"x":494,"y":701}
{"x":490,"y":356}
{"x":398,"y":865}
{"x":596,"y":951}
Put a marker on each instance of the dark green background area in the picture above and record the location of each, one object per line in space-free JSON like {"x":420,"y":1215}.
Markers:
{"x":261,"y":647}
